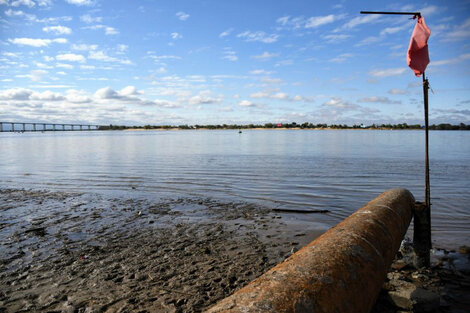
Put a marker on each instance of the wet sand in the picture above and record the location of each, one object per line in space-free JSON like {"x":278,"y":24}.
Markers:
{"x":83,"y":253}
{"x":70,"y":252}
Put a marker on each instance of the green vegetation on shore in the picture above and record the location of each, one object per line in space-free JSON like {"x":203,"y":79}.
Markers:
{"x":292,"y":125}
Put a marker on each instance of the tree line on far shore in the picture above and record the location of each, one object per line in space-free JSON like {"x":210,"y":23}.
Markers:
{"x":293,"y":125}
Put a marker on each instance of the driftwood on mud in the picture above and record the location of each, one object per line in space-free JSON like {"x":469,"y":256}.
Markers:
{"x":300,"y":211}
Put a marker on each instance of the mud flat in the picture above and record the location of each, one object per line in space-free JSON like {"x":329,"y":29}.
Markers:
{"x":70,"y":252}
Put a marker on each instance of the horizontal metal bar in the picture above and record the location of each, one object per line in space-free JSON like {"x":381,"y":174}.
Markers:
{"x":393,"y":13}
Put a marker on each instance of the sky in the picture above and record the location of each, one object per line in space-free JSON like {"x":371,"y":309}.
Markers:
{"x":173,"y":62}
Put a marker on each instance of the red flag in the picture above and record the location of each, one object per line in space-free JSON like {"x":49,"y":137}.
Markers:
{"x":418,"y":55}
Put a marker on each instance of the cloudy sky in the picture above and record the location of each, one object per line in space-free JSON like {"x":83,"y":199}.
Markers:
{"x":211,"y":61}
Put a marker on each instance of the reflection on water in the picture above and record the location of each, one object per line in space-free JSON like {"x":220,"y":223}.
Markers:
{"x":338,"y":170}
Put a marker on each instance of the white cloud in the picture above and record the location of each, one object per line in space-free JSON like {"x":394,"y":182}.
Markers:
{"x":429,"y":10}
{"x":258,"y":36}
{"x":316,"y":21}
{"x":122,"y":48}
{"x":459,"y":32}
{"x":15,"y":94}
{"x":64,"y":65}
{"x":58,"y":30}
{"x":204,"y":97}
{"x":51,"y":20}
{"x":359,"y":20}
{"x":71,"y":57}
{"x":341,"y":58}
{"x":42,"y":65}
{"x":260,"y":72}
{"x":339,"y":103}
{"x":260,"y":94}
{"x":455,"y":60}
{"x":127,"y":93}
{"x":176,"y":35}
{"x":280,"y":96}
{"x":44,"y":3}
{"x":336,"y":37}
{"x":265,"y":56}
{"x":46,"y":96}
{"x":28,"y":3}
{"x":246,"y":103}
{"x":226,"y":33}
{"x":230,"y":55}
{"x":108,"y":30}
{"x":11,"y":54}
{"x":77,"y":96}
{"x":182,"y":16}
{"x":393,"y":30}
{"x":34,"y":42}
{"x":11,"y":13}
{"x":270,"y":80}
{"x":35,"y":75}
{"x":376,"y":99}
{"x":81,"y":2}
{"x":299,"y":22}
{"x":284,"y":63}
{"x":87,"y":67}
{"x":397,"y":91}
{"x":283,"y":20}
{"x":159,"y":59}
{"x":369,"y":40}
{"x":84,"y":47}
{"x":388,"y":72}
{"x":90,"y":19}
{"x":101,"y":56}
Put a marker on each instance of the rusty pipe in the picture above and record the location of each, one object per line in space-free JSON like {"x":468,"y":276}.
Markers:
{"x":340,"y":271}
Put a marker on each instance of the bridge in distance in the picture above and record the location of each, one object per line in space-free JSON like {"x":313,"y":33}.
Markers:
{"x":41,"y":127}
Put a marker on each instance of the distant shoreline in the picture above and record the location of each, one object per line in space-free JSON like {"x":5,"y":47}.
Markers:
{"x":271,"y":129}
{"x":288,"y":126}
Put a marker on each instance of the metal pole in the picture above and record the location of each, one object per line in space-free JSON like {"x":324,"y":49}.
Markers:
{"x":393,"y":13}
{"x":422,"y":214}
{"x":426,"y":124}
{"x":13,"y":127}
{"x":34,"y":126}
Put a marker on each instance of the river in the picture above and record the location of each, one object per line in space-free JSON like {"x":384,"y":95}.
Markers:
{"x":337,"y":170}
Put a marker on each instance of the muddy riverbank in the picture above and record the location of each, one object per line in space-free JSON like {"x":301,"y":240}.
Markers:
{"x":71,"y":252}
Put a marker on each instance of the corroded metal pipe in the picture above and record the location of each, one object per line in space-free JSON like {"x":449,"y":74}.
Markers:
{"x":341,"y":271}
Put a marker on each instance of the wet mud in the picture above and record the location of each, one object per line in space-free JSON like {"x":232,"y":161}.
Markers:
{"x":65,"y":252}
{"x":72,"y":252}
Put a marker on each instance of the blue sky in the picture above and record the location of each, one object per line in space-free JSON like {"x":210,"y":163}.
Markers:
{"x":202,"y":62}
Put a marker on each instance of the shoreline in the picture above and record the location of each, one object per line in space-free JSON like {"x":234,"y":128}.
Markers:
{"x":65,"y":251}
{"x":248,"y":129}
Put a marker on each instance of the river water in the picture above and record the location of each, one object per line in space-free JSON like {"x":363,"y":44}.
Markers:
{"x":338,"y":170}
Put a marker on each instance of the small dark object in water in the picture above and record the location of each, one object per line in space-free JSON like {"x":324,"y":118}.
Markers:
{"x":38,"y":231}
{"x":300,"y":211}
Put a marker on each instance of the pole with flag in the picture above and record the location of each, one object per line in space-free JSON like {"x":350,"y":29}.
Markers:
{"x":418,"y":59}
